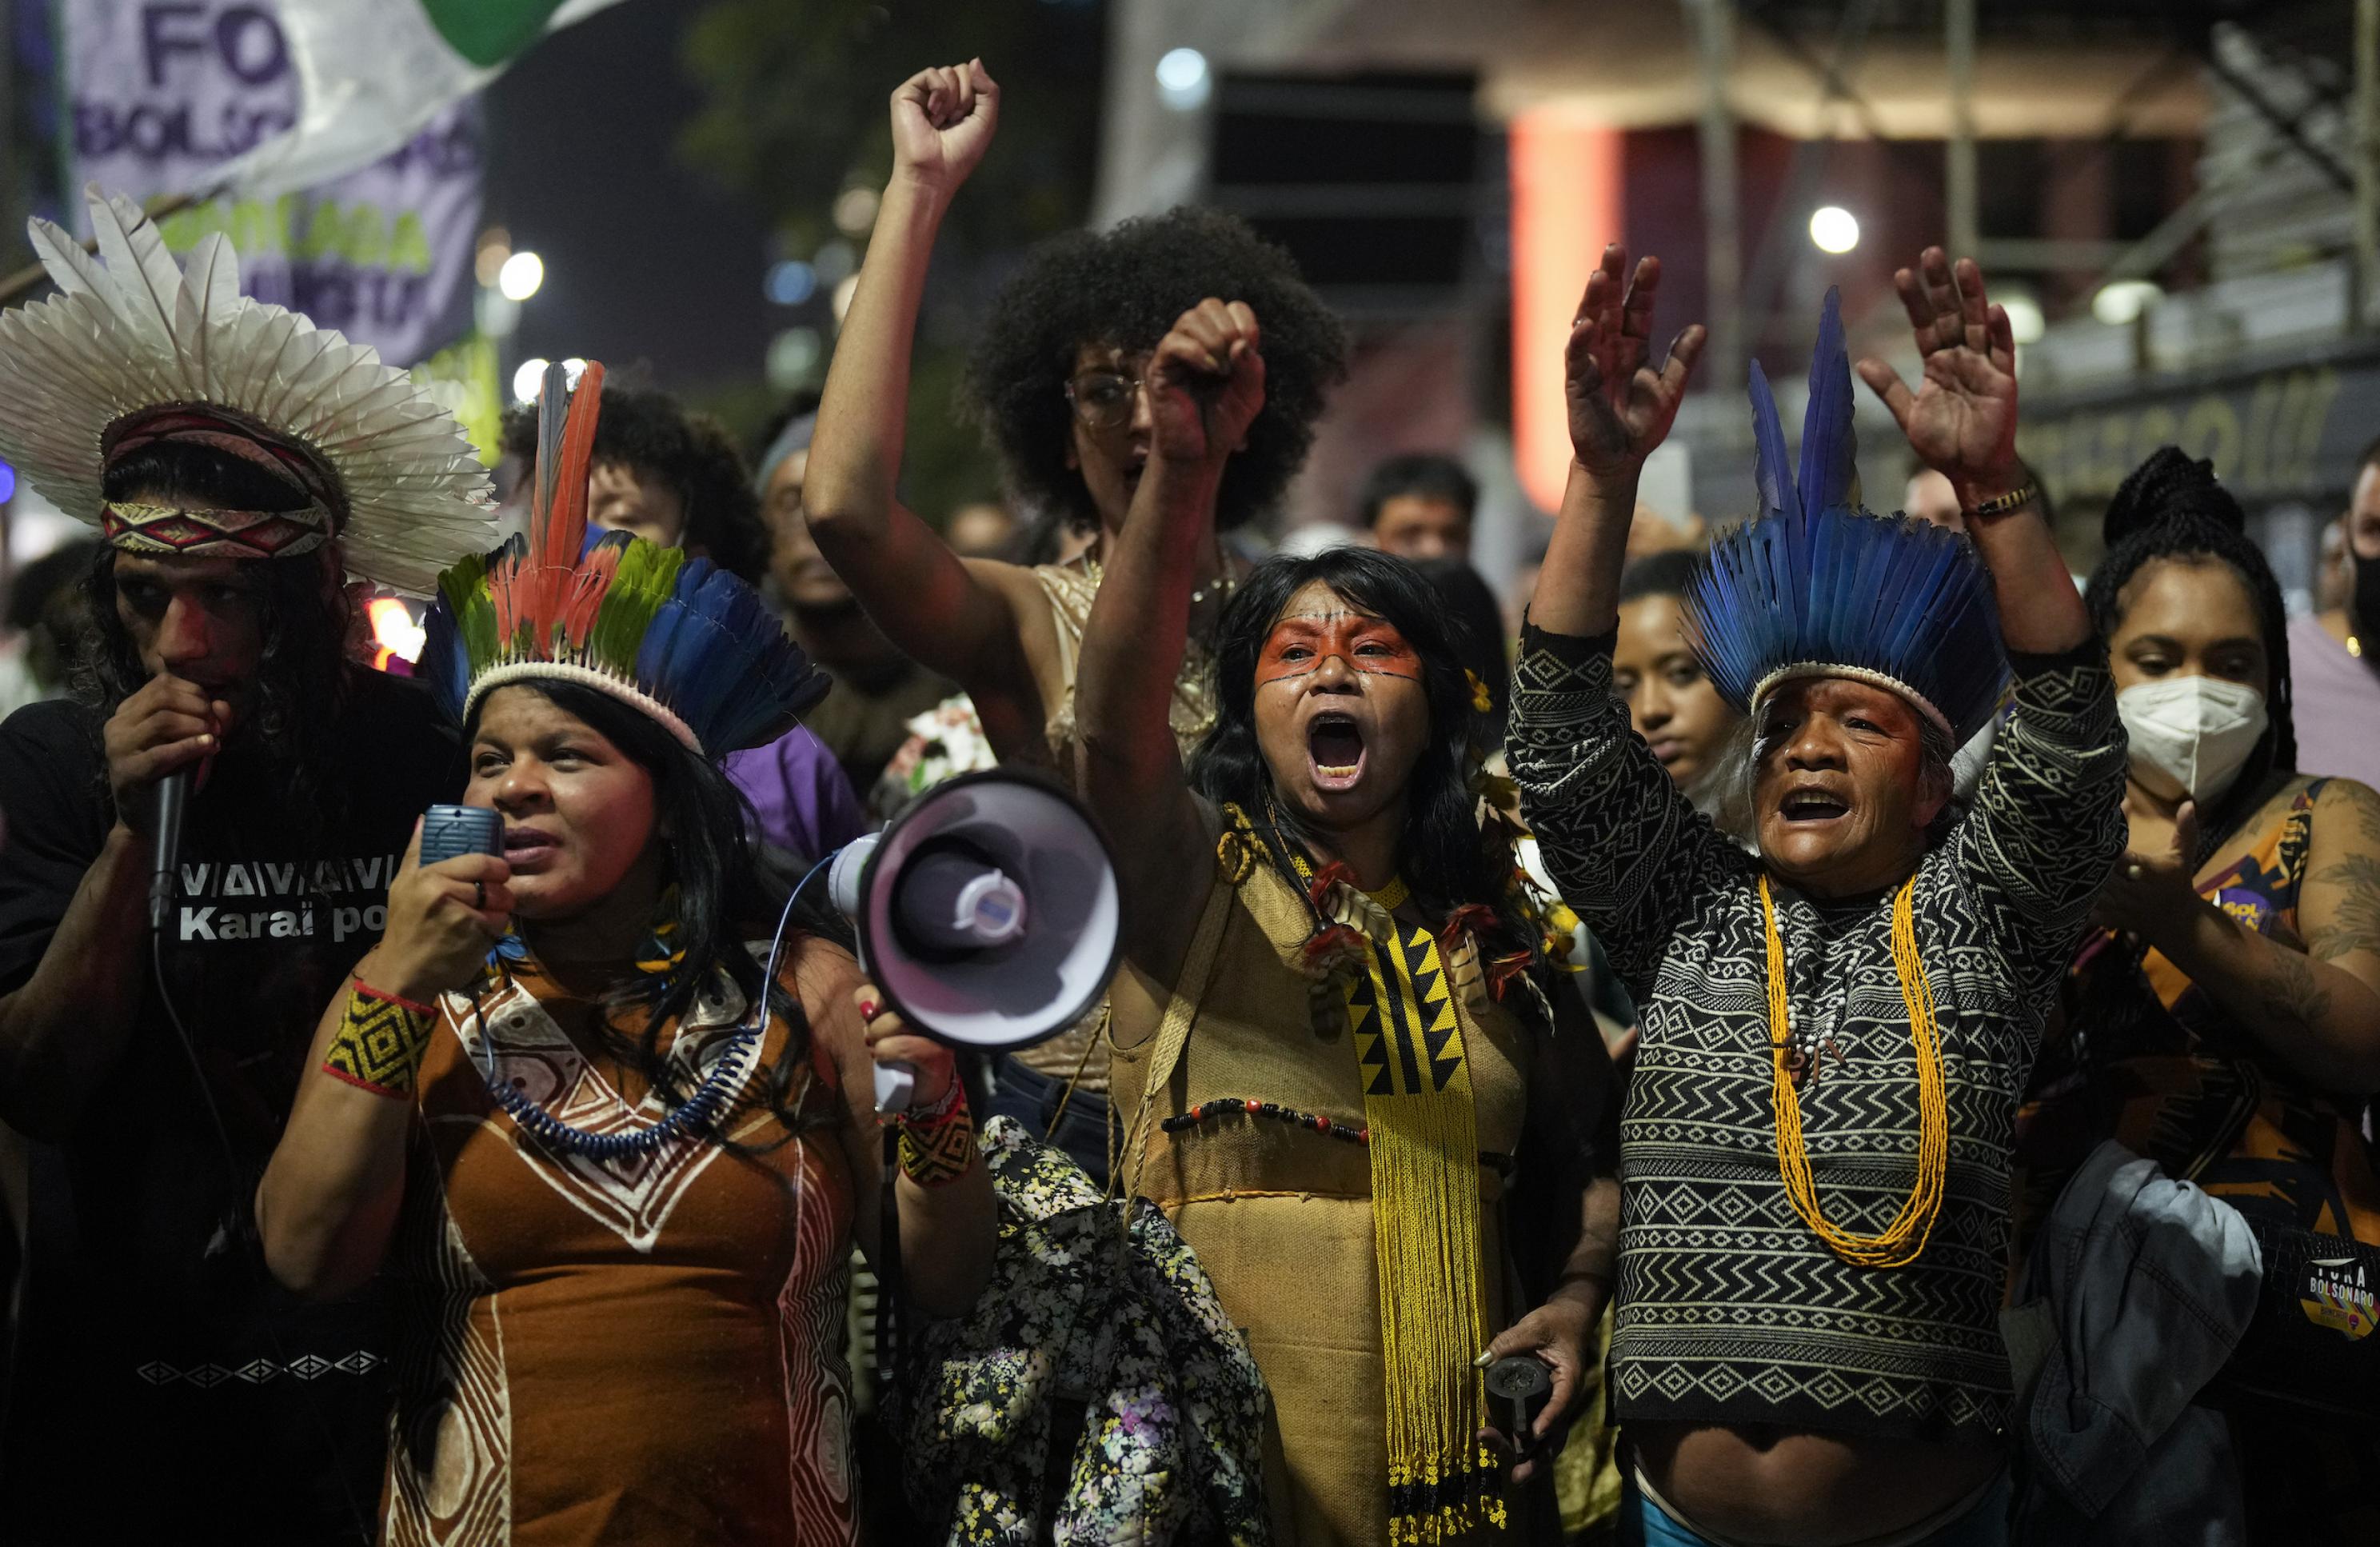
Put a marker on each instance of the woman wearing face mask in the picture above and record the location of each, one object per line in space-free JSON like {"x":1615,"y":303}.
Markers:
{"x":2223,"y":1019}
{"x":1058,"y":380}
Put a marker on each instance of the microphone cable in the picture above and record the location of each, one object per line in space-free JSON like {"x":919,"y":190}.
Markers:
{"x":251,"y":1242}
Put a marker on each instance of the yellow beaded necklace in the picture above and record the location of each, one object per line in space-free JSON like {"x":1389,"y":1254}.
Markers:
{"x":1904,"y":1240}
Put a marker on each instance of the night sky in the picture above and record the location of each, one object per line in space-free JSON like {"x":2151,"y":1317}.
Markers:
{"x":646,"y":263}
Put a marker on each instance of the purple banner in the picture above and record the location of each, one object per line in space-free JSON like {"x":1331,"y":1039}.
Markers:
{"x":162,"y":91}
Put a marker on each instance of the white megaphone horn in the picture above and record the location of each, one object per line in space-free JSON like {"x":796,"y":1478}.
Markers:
{"x":986,"y":913}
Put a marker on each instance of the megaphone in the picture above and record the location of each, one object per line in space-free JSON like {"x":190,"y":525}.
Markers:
{"x":987,"y":915}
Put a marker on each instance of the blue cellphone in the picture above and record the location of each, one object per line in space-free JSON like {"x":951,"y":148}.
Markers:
{"x":448,"y":832}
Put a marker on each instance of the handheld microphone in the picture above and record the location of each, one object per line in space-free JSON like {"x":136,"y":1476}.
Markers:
{"x":166,"y":844}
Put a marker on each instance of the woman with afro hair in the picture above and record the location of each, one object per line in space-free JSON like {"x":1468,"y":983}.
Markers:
{"x":1057,"y":381}
{"x":2223,"y":1018}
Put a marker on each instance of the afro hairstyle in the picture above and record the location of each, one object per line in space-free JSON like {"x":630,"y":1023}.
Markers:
{"x":1124,"y":288}
{"x":653,"y":433}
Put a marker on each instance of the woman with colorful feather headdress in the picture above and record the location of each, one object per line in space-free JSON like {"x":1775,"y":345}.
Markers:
{"x":1335,"y":1058}
{"x":1835,"y":1029}
{"x":621,"y":1158}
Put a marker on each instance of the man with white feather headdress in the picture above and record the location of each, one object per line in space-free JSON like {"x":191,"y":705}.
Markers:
{"x":1836,"y":1029}
{"x":242,"y":464}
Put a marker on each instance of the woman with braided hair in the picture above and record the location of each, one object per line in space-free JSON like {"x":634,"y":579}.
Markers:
{"x":2223,"y":1017}
{"x":1328,"y":1041}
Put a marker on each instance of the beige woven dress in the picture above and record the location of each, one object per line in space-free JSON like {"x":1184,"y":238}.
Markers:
{"x":1281,"y":1216}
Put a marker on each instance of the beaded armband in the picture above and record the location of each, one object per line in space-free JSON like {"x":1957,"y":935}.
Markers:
{"x":380,"y":1043}
{"x":938,"y":1144}
{"x":2005,"y":504}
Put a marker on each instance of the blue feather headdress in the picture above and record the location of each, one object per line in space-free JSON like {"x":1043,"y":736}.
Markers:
{"x":1815,"y":586}
{"x":683,"y":641}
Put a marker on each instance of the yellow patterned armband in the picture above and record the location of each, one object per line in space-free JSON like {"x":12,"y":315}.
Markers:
{"x":938,"y":1145}
{"x":380,"y":1043}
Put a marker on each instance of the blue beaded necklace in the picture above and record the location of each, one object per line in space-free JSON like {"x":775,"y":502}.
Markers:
{"x":661,"y":953}
{"x":658,"y":957}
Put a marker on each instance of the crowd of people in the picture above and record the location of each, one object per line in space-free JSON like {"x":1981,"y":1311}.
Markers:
{"x":1840,"y":1034}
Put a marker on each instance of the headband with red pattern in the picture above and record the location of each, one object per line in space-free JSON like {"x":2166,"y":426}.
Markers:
{"x":137,"y":528}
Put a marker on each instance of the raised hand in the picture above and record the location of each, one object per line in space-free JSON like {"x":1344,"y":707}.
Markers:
{"x":942,"y":123}
{"x":1619,"y":408}
{"x":1205,"y":383}
{"x":2155,"y":895}
{"x":1961,"y":419}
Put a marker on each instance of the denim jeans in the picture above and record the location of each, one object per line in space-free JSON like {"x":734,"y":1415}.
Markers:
{"x":1032,"y":1099}
{"x":1643,"y":1521}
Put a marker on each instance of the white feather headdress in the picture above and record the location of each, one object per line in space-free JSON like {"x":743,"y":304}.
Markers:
{"x":141,"y":333}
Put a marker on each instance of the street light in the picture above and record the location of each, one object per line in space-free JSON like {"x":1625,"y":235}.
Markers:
{"x":2124,"y":300}
{"x":2026,"y":322}
{"x":528,"y":379}
{"x":791,"y":282}
{"x":520,"y":276}
{"x":1183,"y":80}
{"x":1834,"y":229}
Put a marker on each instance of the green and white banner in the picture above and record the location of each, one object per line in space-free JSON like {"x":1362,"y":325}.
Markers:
{"x":376,"y":72}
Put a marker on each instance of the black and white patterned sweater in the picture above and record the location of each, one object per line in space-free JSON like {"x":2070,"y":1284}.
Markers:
{"x":1729,"y":1309}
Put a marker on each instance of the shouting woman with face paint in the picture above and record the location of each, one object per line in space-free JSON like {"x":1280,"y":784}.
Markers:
{"x":2223,"y":1019}
{"x":1834,"y":1030}
{"x":1328,"y":1041}
{"x":1059,"y":381}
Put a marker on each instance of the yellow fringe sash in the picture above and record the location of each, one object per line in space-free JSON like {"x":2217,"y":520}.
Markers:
{"x":1424,"y":1154}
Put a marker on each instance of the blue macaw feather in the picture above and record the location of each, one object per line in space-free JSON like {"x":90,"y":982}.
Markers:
{"x":1827,"y":443}
{"x":1771,"y":475}
{"x":1815,"y":579}
{"x":684,"y":634}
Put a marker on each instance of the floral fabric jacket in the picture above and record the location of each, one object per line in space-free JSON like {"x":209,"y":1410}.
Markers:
{"x":1096,"y":1334}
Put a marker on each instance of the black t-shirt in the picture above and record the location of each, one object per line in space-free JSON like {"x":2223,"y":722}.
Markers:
{"x":162,"y":1382}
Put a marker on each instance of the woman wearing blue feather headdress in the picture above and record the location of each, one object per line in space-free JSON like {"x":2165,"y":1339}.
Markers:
{"x":1835,"y":1029}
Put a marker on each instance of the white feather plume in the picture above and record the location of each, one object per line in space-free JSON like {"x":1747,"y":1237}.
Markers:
{"x":136,"y":329}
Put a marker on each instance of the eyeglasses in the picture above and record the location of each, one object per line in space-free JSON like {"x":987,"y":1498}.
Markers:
{"x":1103,"y":399}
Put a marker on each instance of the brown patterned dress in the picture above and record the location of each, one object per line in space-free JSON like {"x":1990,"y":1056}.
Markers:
{"x":638,"y":1351}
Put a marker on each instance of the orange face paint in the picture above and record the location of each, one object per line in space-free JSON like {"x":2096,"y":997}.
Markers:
{"x":1302,"y":641}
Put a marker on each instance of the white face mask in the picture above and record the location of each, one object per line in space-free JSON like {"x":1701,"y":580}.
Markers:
{"x":2197,"y":731}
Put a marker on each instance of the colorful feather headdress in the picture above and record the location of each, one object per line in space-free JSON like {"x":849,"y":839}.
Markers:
{"x":135,"y":349}
{"x":1813,"y":585}
{"x":683,"y":641}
